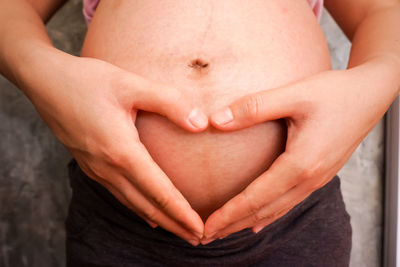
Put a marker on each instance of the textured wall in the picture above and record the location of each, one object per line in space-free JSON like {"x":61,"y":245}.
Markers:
{"x":34,"y":190}
{"x":362,"y":176}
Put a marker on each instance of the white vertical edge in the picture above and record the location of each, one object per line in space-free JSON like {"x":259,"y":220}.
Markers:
{"x":391,"y":235}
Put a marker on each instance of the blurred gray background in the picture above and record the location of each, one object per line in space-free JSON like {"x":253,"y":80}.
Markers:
{"x":34,"y":190}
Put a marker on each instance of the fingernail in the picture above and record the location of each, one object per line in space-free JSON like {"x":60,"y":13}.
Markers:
{"x":223,"y":117}
{"x":207,"y":241}
{"x":197,"y":234}
{"x":222,"y":237}
{"x":152,"y":224}
{"x":198,"y":119}
{"x":194,"y":242}
{"x":257,"y":229}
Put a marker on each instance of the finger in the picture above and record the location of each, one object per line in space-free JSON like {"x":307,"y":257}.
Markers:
{"x":132,"y":161}
{"x":121,"y":198}
{"x":305,"y":179}
{"x":151,"y":213}
{"x":151,"y":181}
{"x":268,"y":213}
{"x":123,"y":190}
{"x":255,"y":108}
{"x":168,"y":101}
{"x":290,"y":200}
{"x":267,"y":221}
{"x":283,"y":174}
{"x":115,"y":192}
{"x":128,"y":195}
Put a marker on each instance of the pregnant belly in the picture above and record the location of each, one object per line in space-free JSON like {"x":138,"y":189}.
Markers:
{"x":215,"y":52}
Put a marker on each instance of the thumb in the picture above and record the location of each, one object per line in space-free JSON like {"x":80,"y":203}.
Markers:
{"x":168,"y":101}
{"x":267,"y":105}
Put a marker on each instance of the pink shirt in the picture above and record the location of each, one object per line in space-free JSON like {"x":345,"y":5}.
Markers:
{"x":89,"y":7}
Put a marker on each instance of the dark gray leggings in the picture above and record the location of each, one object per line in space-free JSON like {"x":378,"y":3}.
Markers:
{"x":103,"y":232}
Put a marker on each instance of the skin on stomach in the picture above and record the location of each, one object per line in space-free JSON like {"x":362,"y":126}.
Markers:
{"x":214,"y":52}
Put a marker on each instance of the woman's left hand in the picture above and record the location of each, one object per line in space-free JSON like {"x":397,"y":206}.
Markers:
{"x":327,"y":116}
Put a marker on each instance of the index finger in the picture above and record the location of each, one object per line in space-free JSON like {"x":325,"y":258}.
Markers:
{"x":154,"y":184}
{"x":276,"y":181}
{"x":267,"y":105}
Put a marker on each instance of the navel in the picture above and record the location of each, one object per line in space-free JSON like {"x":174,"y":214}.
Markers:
{"x":198,"y":64}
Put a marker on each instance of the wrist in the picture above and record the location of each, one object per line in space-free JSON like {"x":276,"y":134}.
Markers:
{"x":37,"y":65}
{"x":383,"y":71}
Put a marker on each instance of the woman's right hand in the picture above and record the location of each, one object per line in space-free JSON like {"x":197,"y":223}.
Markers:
{"x":91,"y":106}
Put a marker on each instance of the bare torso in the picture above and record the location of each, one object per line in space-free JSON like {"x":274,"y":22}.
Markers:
{"x":215,"y":52}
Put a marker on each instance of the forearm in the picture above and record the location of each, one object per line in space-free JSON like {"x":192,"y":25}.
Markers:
{"x":376,"y":43}
{"x":24,"y":43}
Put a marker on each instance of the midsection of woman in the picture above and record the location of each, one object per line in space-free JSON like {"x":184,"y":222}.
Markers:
{"x":215,"y":52}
